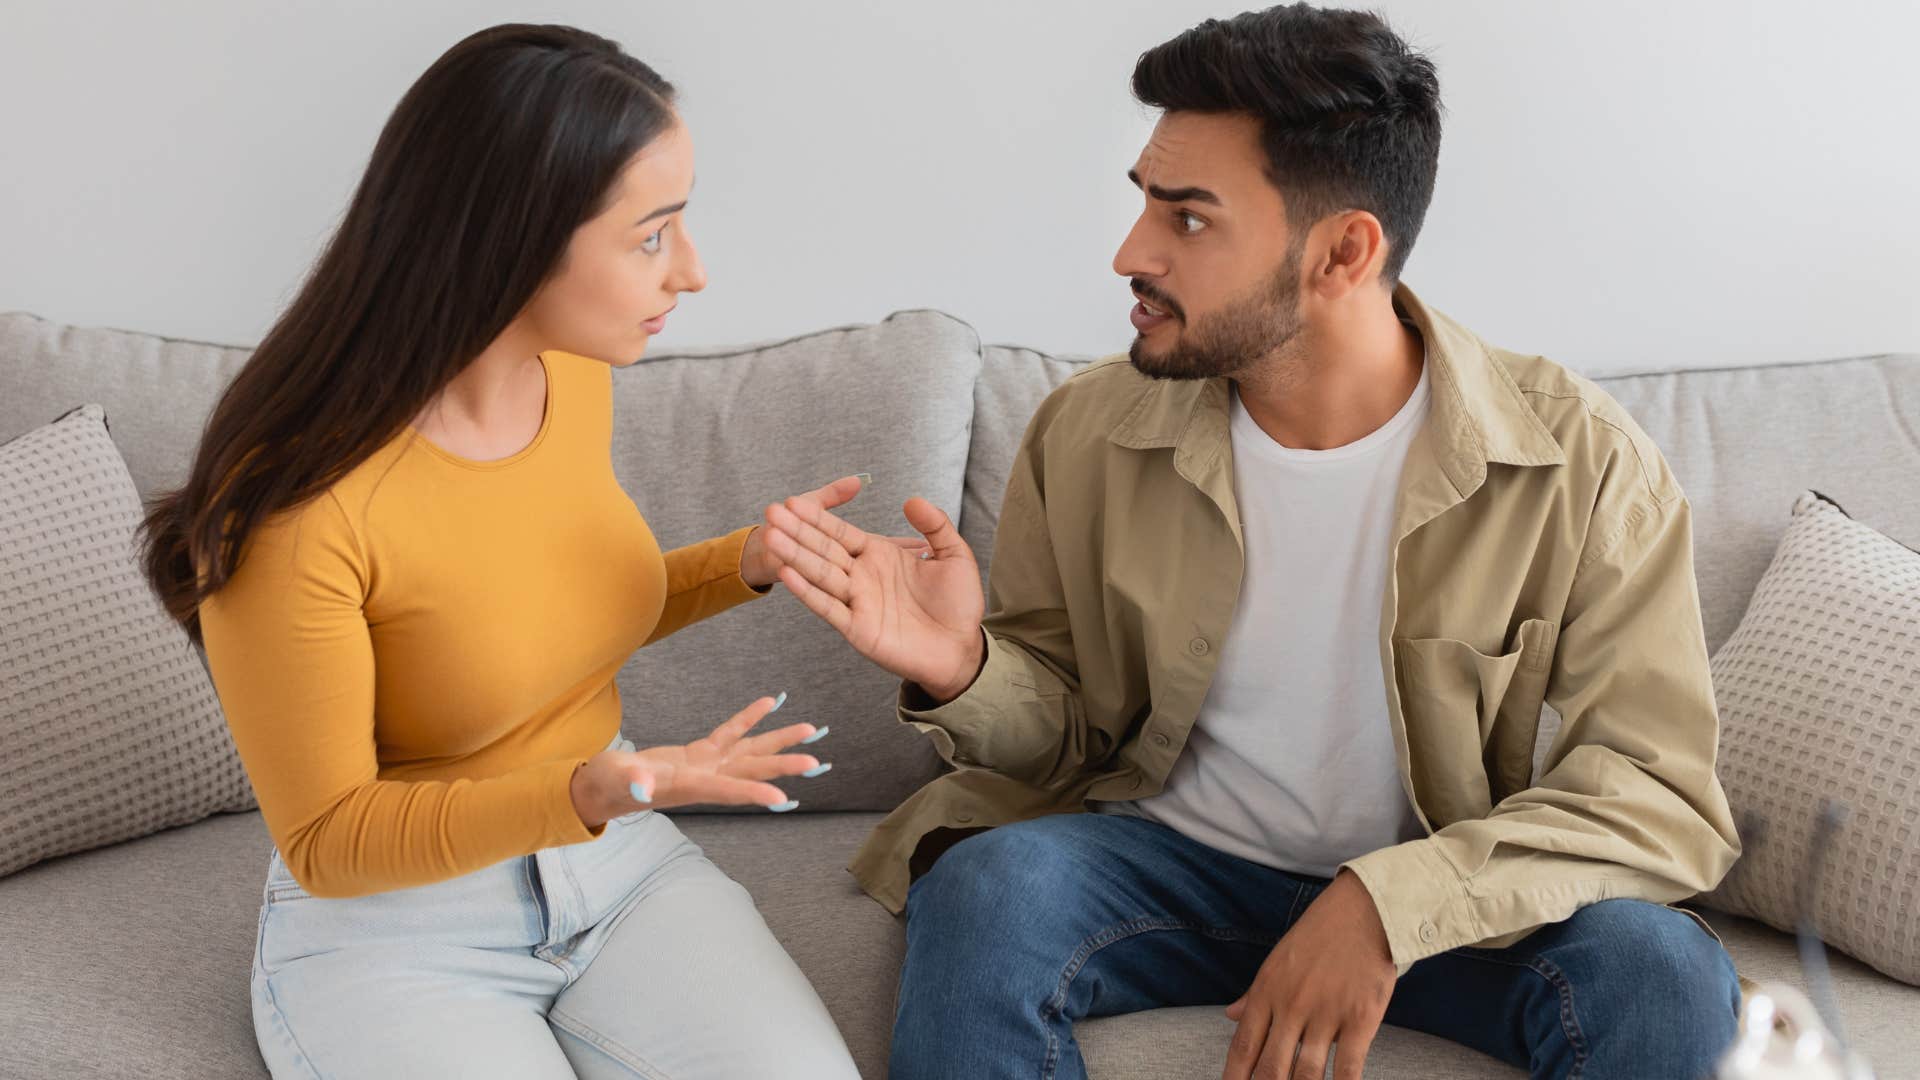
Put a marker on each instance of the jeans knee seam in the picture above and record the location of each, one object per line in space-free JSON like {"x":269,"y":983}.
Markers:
{"x":1093,"y":943}
{"x":620,"y":1054}
{"x":1562,"y":988}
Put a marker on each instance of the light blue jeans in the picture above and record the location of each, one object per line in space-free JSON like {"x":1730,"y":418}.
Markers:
{"x":626,"y":956}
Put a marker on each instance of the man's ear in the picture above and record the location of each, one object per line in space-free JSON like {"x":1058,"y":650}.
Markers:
{"x":1355,"y":250}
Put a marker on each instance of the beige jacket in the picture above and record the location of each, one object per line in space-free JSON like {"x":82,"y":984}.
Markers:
{"x":1542,"y":551}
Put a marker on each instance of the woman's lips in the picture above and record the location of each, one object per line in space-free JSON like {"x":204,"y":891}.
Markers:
{"x":657,"y":323}
{"x":1145,"y":320}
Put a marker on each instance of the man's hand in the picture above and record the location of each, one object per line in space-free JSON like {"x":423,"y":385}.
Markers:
{"x":913,"y":605}
{"x":1328,"y":980}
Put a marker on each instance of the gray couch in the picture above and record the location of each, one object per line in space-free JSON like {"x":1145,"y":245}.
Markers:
{"x":133,"y":960}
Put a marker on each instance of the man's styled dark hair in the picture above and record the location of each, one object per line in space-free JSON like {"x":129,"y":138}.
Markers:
{"x":1349,"y":114}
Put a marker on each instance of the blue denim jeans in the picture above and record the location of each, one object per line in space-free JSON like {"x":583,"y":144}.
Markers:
{"x":629,"y":955}
{"x":1020,"y":931}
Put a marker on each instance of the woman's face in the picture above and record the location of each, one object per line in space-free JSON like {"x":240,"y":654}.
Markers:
{"x":625,"y":268}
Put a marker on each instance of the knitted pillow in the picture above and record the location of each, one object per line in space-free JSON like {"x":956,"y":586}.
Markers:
{"x":1819,"y":695}
{"x":109,"y":727}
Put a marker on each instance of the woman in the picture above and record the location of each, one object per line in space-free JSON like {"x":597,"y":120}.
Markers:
{"x":415,"y":576}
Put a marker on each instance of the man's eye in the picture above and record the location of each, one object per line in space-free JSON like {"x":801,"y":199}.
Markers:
{"x":1187,"y":223}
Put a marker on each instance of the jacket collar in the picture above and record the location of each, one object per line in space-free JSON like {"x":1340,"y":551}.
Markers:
{"x":1477,"y":413}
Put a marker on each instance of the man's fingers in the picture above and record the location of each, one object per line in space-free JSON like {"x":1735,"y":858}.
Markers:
{"x":1248,"y":1040}
{"x":932,"y":522}
{"x":1350,"y":1053}
{"x":1315,"y":1047}
{"x":1276,"y":1057}
{"x":836,"y":613}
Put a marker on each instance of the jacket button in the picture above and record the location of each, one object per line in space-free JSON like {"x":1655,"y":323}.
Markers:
{"x":1159,"y":738}
{"x":1427,"y":932}
{"x":963,"y":817}
{"x":1198,"y":646}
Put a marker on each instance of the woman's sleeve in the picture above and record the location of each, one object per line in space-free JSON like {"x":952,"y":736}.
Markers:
{"x":292,"y":660}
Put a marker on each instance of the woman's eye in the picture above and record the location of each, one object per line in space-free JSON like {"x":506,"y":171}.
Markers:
{"x":1187,"y":223}
{"x":651,"y":245}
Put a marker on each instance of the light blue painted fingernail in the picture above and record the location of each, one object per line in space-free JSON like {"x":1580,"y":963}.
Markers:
{"x":639,"y":793}
{"x":816,"y":736}
{"x":777,"y":702}
{"x":781,"y":808}
{"x":817,"y":770}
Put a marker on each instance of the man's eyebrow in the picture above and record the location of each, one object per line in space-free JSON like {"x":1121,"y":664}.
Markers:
{"x":1185,"y":194}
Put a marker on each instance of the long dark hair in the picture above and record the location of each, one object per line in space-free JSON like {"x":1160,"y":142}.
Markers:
{"x":507,"y":144}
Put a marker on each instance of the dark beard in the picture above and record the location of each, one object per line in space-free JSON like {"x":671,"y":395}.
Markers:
{"x":1234,"y":338}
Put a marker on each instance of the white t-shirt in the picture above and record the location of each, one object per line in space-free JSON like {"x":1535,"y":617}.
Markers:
{"x":1290,"y":762}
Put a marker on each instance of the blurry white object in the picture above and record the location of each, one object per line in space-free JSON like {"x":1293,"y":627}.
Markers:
{"x":1783,"y":1038}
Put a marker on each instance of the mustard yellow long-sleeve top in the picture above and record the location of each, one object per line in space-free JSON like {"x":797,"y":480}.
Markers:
{"x":413,"y":662}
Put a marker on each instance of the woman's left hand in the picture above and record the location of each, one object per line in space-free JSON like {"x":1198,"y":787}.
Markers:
{"x":757,"y":564}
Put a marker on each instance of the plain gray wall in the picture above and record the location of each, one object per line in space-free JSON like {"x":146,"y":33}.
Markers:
{"x":1624,"y":185}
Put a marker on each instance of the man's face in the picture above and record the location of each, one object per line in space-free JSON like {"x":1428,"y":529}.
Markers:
{"x":1211,"y":259}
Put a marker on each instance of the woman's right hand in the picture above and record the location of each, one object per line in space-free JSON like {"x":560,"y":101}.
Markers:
{"x":727,"y":767}
{"x":913,"y":606}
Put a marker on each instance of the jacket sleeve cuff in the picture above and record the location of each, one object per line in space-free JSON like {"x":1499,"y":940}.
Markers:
{"x":961,"y":728}
{"x":1422,"y":900}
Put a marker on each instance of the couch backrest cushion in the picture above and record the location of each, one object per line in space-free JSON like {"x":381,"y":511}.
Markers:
{"x":156,"y":391}
{"x":705,"y":439}
{"x":1745,"y":442}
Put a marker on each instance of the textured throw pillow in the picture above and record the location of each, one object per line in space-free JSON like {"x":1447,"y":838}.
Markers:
{"x":1819,"y":695}
{"x":704,"y":440}
{"x":109,"y":727}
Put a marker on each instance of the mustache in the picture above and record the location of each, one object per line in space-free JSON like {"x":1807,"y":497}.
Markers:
{"x":1158,"y":299}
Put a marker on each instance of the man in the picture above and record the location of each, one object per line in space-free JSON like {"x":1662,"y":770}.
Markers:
{"x":1279,"y":596}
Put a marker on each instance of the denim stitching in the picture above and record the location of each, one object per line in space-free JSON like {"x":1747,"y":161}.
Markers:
{"x":1094,"y":943}
{"x":618,"y":1053}
{"x":1563,"y":988}
{"x":275,"y":1014}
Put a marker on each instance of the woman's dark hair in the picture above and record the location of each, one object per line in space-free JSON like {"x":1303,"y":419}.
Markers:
{"x":505,"y":146}
{"x":1349,"y":114}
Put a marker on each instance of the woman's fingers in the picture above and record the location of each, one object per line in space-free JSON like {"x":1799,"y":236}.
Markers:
{"x":773,"y":766}
{"x":838,"y":493}
{"x":837,"y":529}
{"x":817,"y":569}
{"x":727,"y":734}
{"x":809,"y":537}
{"x":772,"y":742}
{"x":836,"y":613}
{"x":711,"y":787}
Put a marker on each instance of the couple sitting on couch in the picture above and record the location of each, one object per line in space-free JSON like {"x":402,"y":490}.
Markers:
{"x":1250,"y":720}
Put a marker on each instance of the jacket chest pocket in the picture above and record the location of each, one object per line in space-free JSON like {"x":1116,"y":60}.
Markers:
{"x":1471,"y":718}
